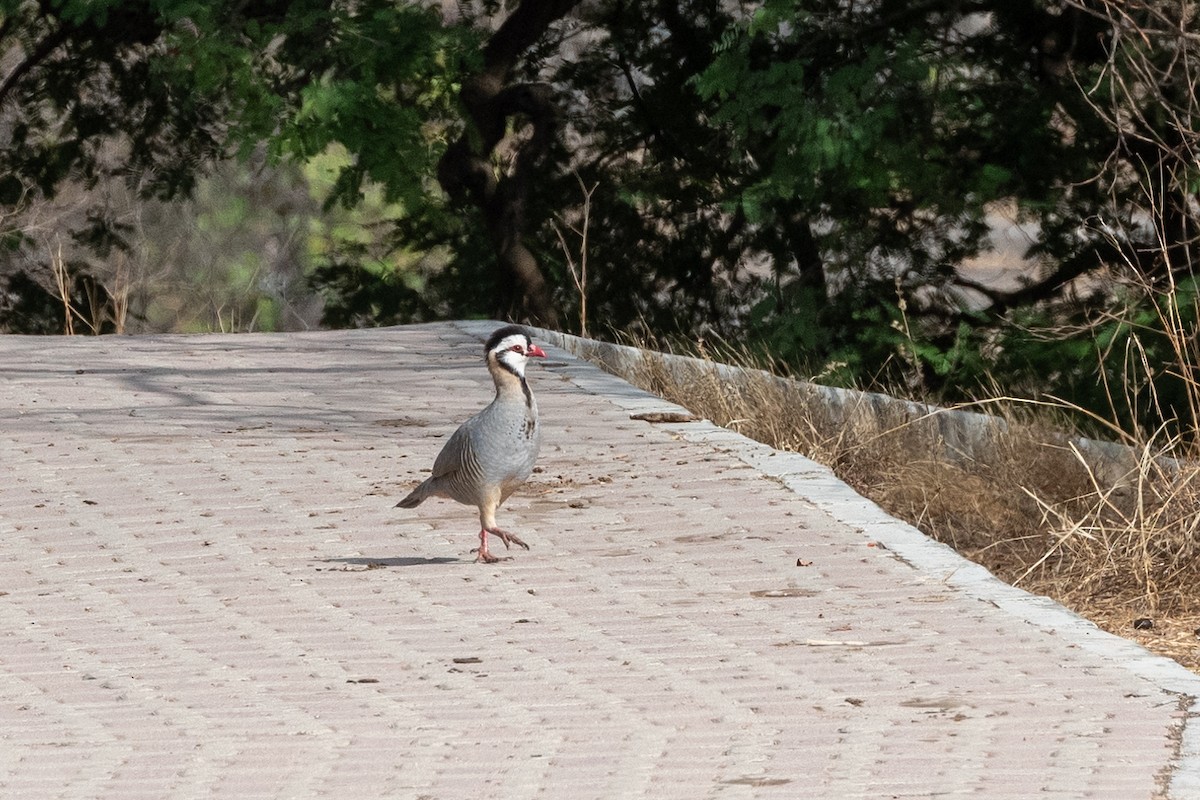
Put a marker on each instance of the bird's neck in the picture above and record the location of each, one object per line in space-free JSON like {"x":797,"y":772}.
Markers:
{"x":510,"y":384}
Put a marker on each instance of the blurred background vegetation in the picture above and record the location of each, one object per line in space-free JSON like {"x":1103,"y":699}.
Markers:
{"x":949,"y":197}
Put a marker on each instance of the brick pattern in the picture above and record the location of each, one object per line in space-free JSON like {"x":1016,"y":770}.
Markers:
{"x":206,"y":592}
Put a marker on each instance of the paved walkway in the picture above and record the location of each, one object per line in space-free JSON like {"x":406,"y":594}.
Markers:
{"x":206,"y":592}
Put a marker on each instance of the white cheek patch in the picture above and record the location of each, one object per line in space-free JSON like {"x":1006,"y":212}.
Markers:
{"x":510,"y":359}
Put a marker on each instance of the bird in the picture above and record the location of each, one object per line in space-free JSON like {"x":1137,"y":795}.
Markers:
{"x":493,"y":452}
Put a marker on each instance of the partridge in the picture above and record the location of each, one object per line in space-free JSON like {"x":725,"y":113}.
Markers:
{"x":493,"y":452}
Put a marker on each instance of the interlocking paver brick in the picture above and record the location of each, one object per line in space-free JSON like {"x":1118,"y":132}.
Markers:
{"x":206,"y":592}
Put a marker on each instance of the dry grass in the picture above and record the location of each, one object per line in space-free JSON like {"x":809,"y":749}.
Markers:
{"x":1118,"y":544}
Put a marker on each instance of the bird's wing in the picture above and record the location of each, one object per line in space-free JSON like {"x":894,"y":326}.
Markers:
{"x":456,"y":453}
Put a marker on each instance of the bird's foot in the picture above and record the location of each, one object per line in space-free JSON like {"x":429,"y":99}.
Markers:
{"x":505,"y":537}
{"x":482,"y":553}
{"x":485,"y":556}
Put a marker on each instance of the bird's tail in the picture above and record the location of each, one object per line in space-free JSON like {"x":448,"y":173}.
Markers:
{"x":416,"y":496}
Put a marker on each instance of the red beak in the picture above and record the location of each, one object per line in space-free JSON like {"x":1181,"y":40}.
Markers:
{"x":535,"y":351}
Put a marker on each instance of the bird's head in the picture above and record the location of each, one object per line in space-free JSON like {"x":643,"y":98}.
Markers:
{"x":511,"y":347}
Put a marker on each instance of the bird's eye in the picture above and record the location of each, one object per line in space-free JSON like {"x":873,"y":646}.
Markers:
{"x":516,"y":348}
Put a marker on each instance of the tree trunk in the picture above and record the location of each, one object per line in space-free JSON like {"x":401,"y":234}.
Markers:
{"x":466,"y":172}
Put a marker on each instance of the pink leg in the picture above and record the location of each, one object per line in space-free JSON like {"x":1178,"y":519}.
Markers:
{"x":484,"y":554}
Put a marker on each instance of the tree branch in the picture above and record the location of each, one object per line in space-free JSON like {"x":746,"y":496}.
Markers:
{"x":40,"y":53}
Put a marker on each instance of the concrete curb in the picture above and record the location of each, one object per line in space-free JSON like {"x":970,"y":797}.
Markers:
{"x":961,"y":433}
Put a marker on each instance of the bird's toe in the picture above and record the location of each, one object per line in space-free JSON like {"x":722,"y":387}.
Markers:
{"x":507,"y":538}
{"x":484,"y":556}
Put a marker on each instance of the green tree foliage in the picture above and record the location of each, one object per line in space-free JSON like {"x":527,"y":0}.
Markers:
{"x":155,"y":92}
{"x":896,"y":128}
{"x":813,"y":177}
{"x":891,"y":129}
